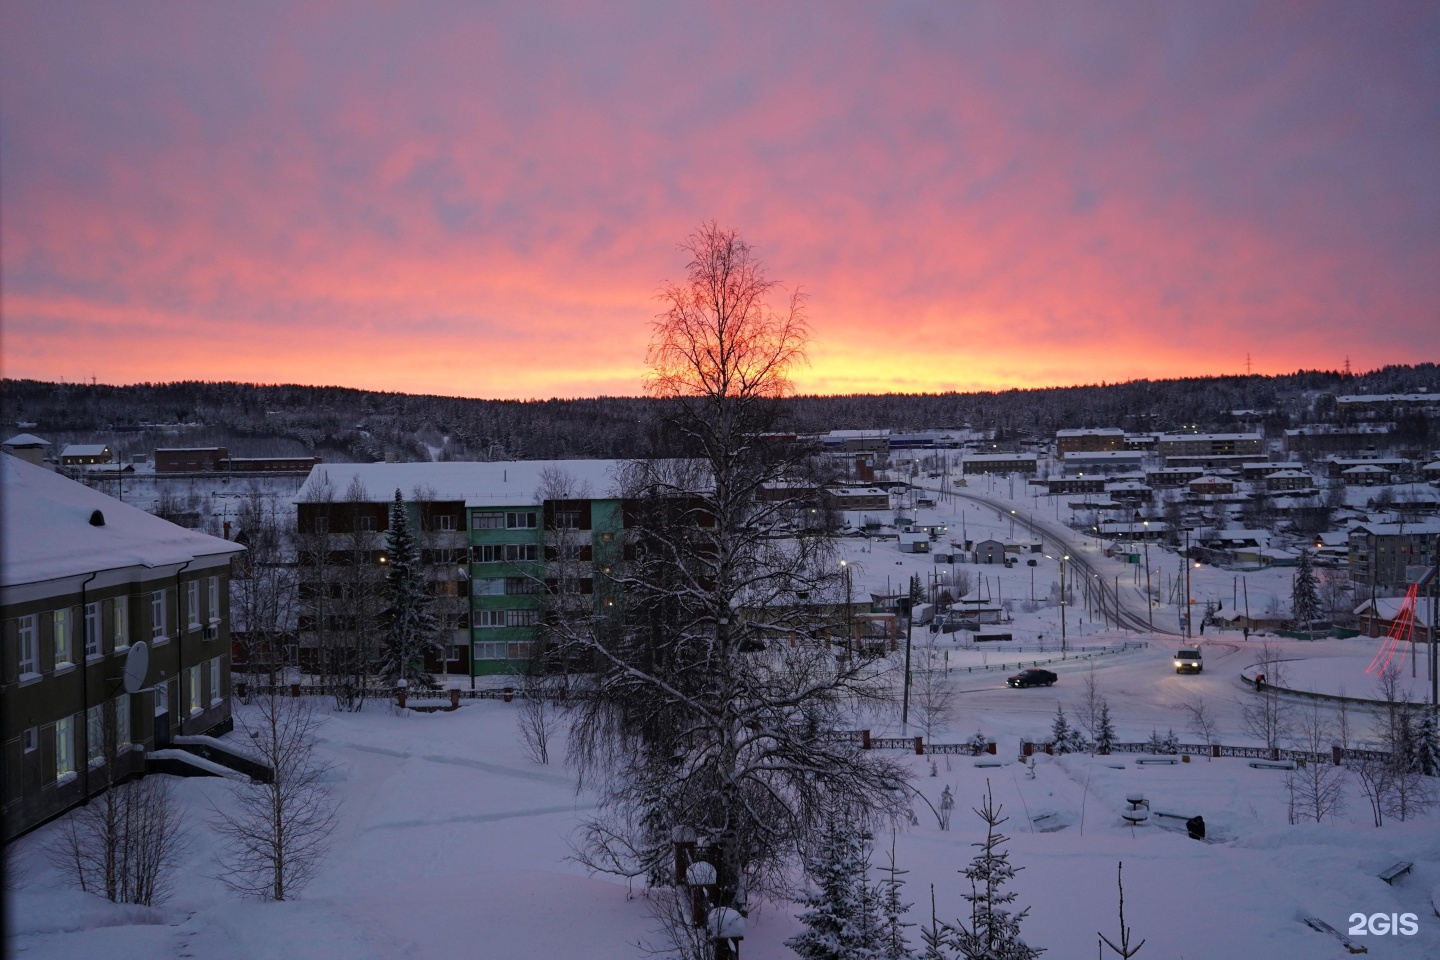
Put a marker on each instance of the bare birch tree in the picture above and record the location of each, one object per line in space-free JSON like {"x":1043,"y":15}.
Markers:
{"x":276,"y":833}
{"x":715,"y":707}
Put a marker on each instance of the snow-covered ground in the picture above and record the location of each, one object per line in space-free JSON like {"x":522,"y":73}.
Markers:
{"x":452,"y":843}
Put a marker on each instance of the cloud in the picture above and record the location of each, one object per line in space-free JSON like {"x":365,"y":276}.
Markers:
{"x":482,"y":202}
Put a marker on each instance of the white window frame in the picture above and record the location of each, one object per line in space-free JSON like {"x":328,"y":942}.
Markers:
{"x":519,"y":650}
{"x":489,"y":619}
{"x":445,"y":522}
{"x":159,"y":617}
{"x":162,"y":698}
{"x":194,"y":691}
{"x":213,"y":598}
{"x":31,"y":739}
{"x":94,"y":633}
{"x":487,"y":520}
{"x":95,"y":735}
{"x":29,"y":647}
{"x":122,"y":721}
{"x":488,"y":587}
{"x":215,"y":681}
{"x":61,"y":633}
{"x":65,"y":749}
{"x":192,"y":605}
{"x":491,"y":650}
{"x":520,"y":520}
{"x":121,"y":615}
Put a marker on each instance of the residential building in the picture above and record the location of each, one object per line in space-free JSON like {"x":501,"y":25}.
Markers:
{"x":1000,"y":463}
{"x":1088,"y":441}
{"x":1389,"y":555}
{"x":85,"y":454}
{"x":498,"y":539}
{"x":83,"y":579}
{"x":1103,"y":461}
{"x":189,"y":459}
{"x":1209,"y":444}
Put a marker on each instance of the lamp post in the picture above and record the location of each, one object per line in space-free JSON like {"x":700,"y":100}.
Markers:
{"x":849,"y":626}
{"x":1188,"y":600}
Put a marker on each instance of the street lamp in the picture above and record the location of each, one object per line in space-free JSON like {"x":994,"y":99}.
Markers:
{"x":1149,"y":597}
{"x":849,"y":625}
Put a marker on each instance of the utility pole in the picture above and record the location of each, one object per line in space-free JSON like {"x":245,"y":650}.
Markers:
{"x":1188,"y":600}
{"x":905,"y":708}
{"x":1063,"y":558}
{"x":1149,"y":597}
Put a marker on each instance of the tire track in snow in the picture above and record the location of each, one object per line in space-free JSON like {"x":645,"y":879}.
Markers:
{"x":495,"y":768}
{"x":479,"y":817}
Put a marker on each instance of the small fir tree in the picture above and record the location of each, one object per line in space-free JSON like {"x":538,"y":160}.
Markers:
{"x":1105,"y":734}
{"x":842,"y":915}
{"x":1425,"y":744}
{"x":994,"y":930}
{"x":893,"y":943}
{"x":1304,"y":598}
{"x":410,"y":627}
{"x":978,"y":743}
{"x":1060,"y":731}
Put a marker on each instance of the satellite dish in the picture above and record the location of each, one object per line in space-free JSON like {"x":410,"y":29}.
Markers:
{"x":137,"y":665}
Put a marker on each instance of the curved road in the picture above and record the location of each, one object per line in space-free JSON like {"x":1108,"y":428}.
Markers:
{"x":1110,"y":606}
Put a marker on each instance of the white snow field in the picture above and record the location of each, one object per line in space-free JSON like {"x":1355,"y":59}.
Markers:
{"x":452,"y":844}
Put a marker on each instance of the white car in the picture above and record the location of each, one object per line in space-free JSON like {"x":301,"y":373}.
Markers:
{"x":1189,"y":661}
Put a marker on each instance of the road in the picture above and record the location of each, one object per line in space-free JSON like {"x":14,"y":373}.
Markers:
{"x":1111,"y":606}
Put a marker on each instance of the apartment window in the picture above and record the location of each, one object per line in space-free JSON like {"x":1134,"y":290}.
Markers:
{"x":321,"y":525}
{"x":571,"y":552}
{"x":521,"y":618}
{"x":214,"y":681}
{"x":122,"y":721}
{"x":489,"y":650}
{"x":521,"y":586}
{"x":567,"y":520}
{"x":487,"y":553}
{"x":157,"y":617}
{"x":487,"y":619}
{"x":192,"y":604}
{"x":487,"y":521}
{"x":92,"y":630}
{"x":162,"y":699}
{"x":519,"y":552}
{"x":213,"y":596}
{"x":488,"y":586}
{"x":445,"y":522}
{"x":31,"y":739}
{"x":29,"y":647}
{"x":518,"y":651}
{"x":95,"y":735}
{"x":194,"y":691}
{"x":61,"y":633}
{"x":120,"y":614}
{"x":65,"y":749}
{"x":520,"y":520}
{"x":365,"y":523}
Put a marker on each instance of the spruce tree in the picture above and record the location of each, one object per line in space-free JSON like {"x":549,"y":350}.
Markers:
{"x":842,"y":914}
{"x":1304,"y":598}
{"x":1105,"y":735}
{"x":994,"y":931}
{"x":1425,"y":748}
{"x":893,"y":943}
{"x":1061,"y":734}
{"x":410,"y":627}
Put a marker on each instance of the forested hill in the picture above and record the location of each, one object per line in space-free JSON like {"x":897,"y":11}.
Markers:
{"x":345,"y":424}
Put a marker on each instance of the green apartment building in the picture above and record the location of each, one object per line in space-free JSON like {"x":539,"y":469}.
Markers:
{"x":500,"y":541}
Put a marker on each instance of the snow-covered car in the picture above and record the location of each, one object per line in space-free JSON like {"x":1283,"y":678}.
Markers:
{"x":1189,"y":661}
{"x":1032,"y":678}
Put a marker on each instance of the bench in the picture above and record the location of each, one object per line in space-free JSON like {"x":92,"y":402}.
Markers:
{"x":1390,"y":873}
{"x":1273,"y":764}
{"x":989,"y":763}
{"x":1143,"y":760}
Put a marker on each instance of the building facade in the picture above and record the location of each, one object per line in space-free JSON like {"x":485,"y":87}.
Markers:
{"x":84,"y":579}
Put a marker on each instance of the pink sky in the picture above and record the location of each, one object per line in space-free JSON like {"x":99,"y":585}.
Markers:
{"x":481,"y":200}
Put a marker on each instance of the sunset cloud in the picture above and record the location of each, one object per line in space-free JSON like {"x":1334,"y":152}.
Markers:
{"x":459,"y":198}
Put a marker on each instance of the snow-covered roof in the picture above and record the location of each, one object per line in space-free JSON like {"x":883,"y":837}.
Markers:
{"x":26,"y":440}
{"x":1425,"y":527}
{"x":84,"y":450}
{"x":496,"y":483}
{"x":1364,"y":469}
{"x":1388,"y":608}
{"x":1288,"y":475}
{"x":47,"y":532}
{"x":1091,"y":432}
{"x":1181,"y":437}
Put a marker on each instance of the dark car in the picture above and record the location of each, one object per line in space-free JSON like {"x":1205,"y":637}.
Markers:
{"x":1032,"y":678}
